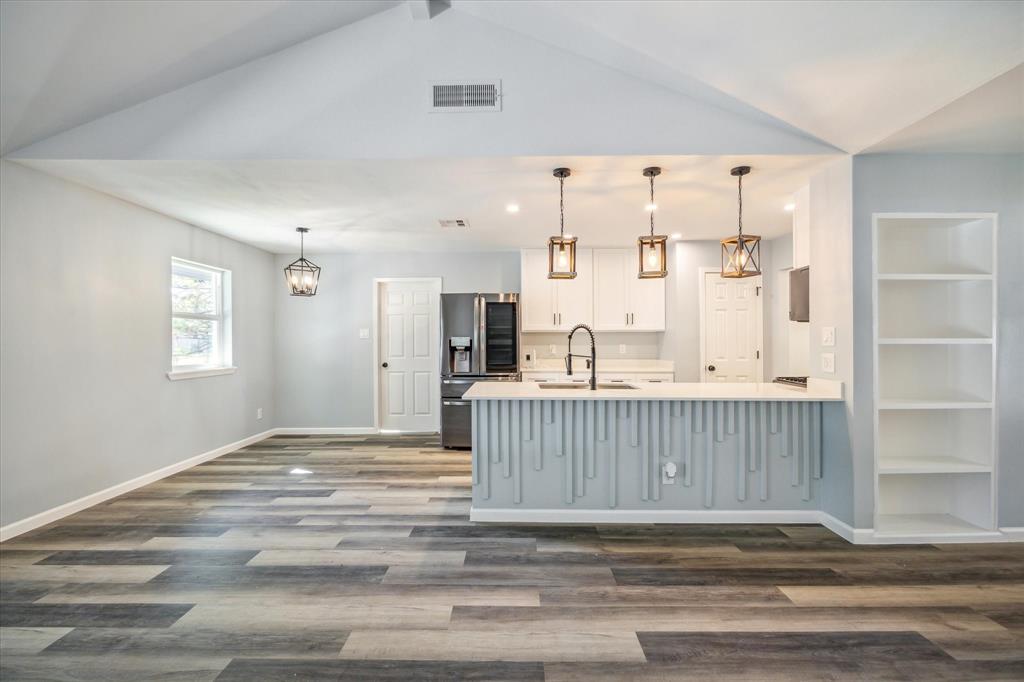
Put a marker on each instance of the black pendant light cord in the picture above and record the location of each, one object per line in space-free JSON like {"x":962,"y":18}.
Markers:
{"x":561,"y":206}
{"x":740,"y":185}
{"x":652,"y":205}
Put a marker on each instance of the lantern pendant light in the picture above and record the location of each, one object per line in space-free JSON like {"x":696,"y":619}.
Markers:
{"x":302,"y":276}
{"x":561,"y":249}
{"x":651,"y":249}
{"x":741,"y":255}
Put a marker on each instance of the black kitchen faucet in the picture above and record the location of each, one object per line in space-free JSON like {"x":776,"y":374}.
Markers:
{"x":593,"y":355}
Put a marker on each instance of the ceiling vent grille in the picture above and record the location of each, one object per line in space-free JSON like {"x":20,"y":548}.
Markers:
{"x":455,"y":222}
{"x":474,"y":95}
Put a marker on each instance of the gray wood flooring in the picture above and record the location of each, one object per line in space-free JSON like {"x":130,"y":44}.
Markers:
{"x":368,"y":568}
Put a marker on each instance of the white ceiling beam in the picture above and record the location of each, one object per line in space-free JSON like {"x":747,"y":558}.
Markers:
{"x":424,"y":10}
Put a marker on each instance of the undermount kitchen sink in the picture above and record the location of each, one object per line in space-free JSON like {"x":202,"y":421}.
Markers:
{"x":587,"y":386}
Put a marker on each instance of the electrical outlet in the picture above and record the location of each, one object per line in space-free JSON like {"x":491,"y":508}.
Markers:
{"x":828,"y":363}
{"x":259,"y":413}
{"x":364,"y":333}
{"x":668,"y":473}
{"x":828,"y":336}
{"x":551,"y":349}
{"x":622,"y":349}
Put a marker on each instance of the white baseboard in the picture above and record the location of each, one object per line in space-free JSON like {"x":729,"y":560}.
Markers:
{"x":50,"y":515}
{"x":858,"y":536}
{"x":325,"y":431}
{"x":613,"y":516}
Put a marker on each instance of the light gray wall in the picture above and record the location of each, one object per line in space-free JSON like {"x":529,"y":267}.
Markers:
{"x":949,"y":183}
{"x":324,"y":370}
{"x":776,"y":305}
{"x":84,"y":402}
{"x":846,"y":468}
{"x":681,"y":340}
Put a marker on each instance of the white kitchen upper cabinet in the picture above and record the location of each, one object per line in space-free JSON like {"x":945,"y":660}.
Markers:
{"x":575,"y":297}
{"x":623,"y":301}
{"x":555,"y":304}
{"x":611,"y":293}
{"x":537,"y":305}
{"x":647,"y":304}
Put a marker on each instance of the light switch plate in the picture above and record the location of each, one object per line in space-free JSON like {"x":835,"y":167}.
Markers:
{"x":622,"y":349}
{"x":828,"y":363}
{"x":551,"y":349}
{"x":828,"y":336}
{"x":364,"y":333}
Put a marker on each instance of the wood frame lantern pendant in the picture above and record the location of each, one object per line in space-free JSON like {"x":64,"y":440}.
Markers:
{"x":741,"y":255}
{"x":651,"y":249}
{"x":561,"y":249}
{"x":302,"y":276}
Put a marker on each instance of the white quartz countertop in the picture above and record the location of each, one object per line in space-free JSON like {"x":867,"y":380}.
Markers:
{"x":817,"y":390}
{"x":549,"y":365}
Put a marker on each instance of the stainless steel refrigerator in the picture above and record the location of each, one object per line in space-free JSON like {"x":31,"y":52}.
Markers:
{"x":479,"y":342}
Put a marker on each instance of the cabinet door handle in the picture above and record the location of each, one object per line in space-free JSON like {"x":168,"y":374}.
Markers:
{"x":627,"y":318}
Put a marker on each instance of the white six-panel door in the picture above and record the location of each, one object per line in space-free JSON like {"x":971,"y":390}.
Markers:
{"x":732,"y":329}
{"x":409,"y":341}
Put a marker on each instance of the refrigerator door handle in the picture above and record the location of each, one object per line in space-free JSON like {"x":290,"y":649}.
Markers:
{"x":481,"y":315}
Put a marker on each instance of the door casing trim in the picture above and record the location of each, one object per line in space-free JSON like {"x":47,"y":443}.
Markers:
{"x":702,"y":274}
{"x":375,"y":340}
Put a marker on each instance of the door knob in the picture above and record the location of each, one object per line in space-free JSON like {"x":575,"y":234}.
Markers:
{"x":386,"y":364}
{"x":711,"y":368}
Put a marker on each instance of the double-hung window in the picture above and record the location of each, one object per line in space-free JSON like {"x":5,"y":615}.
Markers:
{"x":200,"y":320}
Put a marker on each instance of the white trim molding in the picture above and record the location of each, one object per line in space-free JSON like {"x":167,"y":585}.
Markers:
{"x":56,"y":513}
{"x":178,"y":375}
{"x":702,"y":275}
{"x":326,"y":431}
{"x":375,"y":340}
{"x":857,"y":536}
{"x":615,"y":516}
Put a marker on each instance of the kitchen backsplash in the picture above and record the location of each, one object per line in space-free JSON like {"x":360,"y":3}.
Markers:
{"x":636,"y":345}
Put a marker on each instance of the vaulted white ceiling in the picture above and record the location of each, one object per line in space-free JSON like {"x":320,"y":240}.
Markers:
{"x":848,"y":72}
{"x":252,"y":117}
{"x":66,"y":63}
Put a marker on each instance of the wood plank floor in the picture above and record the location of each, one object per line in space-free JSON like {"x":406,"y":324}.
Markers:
{"x":353,"y":558}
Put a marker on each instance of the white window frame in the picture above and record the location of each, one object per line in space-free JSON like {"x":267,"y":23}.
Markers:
{"x":222,"y":316}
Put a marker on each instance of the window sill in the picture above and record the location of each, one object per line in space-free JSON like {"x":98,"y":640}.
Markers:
{"x":180,"y":374}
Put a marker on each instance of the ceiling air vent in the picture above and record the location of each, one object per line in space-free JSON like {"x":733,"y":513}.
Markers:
{"x":476,"y":95}
{"x":456,"y":222}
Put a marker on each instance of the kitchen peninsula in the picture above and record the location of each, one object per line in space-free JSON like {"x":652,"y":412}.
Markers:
{"x":640,"y":453}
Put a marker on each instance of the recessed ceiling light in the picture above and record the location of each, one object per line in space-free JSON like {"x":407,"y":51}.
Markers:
{"x":300,"y":471}
{"x":676,"y":236}
{"x":789,"y":207}
{"x":512,"y":208}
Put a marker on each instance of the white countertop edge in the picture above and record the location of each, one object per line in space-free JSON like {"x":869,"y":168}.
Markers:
{"x":818,"y":390}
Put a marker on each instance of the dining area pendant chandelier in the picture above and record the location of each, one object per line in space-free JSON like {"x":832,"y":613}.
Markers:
{"x":741,"y":255}
{"x":302,"y":276}
{"x":651,"y":248}
{"x":561,"y":249}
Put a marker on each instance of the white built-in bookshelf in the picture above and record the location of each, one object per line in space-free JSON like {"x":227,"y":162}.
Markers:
{"x":934,"y":308}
